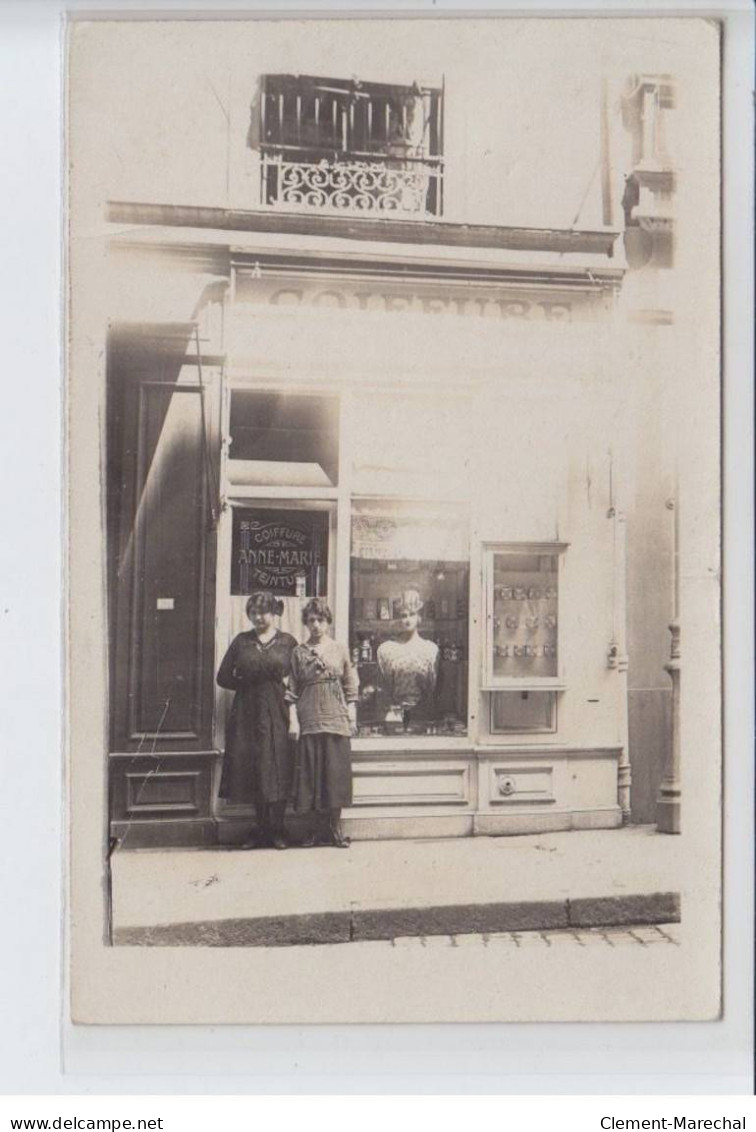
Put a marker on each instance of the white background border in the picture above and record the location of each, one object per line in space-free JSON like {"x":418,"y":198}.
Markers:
{"x":39,"y":1053}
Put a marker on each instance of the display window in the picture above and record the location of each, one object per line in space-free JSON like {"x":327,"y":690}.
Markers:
{"x":409,"y":606}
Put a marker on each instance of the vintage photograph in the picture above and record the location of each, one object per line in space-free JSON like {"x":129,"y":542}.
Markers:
{"x":394,"y":505}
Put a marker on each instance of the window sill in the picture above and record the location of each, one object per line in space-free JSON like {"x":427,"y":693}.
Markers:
{"x":390,"y":744}
{"x":526,"y":684}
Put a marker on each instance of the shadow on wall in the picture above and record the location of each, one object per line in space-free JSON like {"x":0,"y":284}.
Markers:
{"x":650,"y":726}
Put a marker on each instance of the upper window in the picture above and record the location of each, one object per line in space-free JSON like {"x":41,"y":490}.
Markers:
{"x":283,"y":439}
{"x":347,"y":146}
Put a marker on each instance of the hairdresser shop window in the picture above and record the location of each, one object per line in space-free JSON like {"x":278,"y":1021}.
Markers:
{"x":409,"y":620}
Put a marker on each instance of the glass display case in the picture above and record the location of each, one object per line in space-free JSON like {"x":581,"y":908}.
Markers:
{"x":409,"y":621}
{"x":522,"y":616}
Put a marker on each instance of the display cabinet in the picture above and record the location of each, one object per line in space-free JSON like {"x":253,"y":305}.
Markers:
{"x":522,"y":638}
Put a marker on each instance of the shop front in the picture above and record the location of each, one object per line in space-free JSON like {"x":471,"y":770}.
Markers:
{"x":432,"y":441}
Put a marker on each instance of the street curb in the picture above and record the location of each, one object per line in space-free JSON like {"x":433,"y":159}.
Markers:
{"x":614,"y":911}
{"x":390,"y":923}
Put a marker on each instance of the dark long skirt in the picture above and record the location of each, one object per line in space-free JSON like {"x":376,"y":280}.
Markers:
{"x":258,"y":761}
{"x":322,"y":773}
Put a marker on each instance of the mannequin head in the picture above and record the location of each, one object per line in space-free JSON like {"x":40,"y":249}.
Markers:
{"x":409,"y":611}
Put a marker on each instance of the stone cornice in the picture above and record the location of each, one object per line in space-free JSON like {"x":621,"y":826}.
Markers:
{"x":597,"y":242}
{"x":432,"y":274}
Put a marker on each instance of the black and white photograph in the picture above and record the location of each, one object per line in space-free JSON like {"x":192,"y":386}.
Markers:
{"x":393,"y":400}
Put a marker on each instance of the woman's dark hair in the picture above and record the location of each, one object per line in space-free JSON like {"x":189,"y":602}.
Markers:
{"x":264,"y":602}
{"x":319,"y":607}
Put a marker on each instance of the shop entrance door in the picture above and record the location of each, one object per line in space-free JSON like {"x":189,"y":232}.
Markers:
{"x":284,"y":548}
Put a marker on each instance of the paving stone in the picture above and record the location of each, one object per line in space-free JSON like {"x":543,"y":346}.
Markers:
{"x":647,"y":936}
{"x":559,"y":939}
{"x":591,"y":937}
{"x":621,"y":937}
{"x":671,"y":933}
{"x":531,"y":939}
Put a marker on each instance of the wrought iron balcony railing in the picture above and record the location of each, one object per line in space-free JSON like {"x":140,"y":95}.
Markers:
{"x":349,"y":147}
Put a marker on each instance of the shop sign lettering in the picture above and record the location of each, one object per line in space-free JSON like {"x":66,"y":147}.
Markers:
{"x":286,"y":553}
{"x":480,"y":303}
{"x":480,"y":307}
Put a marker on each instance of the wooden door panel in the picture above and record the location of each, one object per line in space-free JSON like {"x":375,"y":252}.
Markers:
{"x":165,"y":691}
{"x":162,"y":548}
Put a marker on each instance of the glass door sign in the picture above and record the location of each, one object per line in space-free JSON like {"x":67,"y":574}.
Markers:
{"x":284,"y":551}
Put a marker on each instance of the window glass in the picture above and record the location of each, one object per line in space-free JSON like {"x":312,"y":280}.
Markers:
{"x":525,"y":615}
{"x":523,"y":711}
{"x":409,"y":618}
{"x":377,"y":147}
{"x":324,"y":116}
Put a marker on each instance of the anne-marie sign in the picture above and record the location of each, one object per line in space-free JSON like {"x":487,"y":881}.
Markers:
{"x":285,"y":552}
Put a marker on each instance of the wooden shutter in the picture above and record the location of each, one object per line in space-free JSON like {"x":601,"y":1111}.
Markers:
{"x":162,"y":546}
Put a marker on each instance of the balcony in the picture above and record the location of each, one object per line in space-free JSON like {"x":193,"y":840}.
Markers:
{"x":353,"y":186}
{"x":350,"y":148}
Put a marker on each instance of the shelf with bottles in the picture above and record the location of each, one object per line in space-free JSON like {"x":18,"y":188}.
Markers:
{"x":382,"y":610}
{"x":377,"y":586}
{"x":364,"y":646}
{"x":451,"y":726}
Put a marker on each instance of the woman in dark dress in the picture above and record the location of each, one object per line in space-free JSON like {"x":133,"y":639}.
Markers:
{"x":258,"y":763}
{"x":323,"y":687}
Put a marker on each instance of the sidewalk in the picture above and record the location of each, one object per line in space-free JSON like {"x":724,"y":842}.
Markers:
{"x":388,"y":889}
